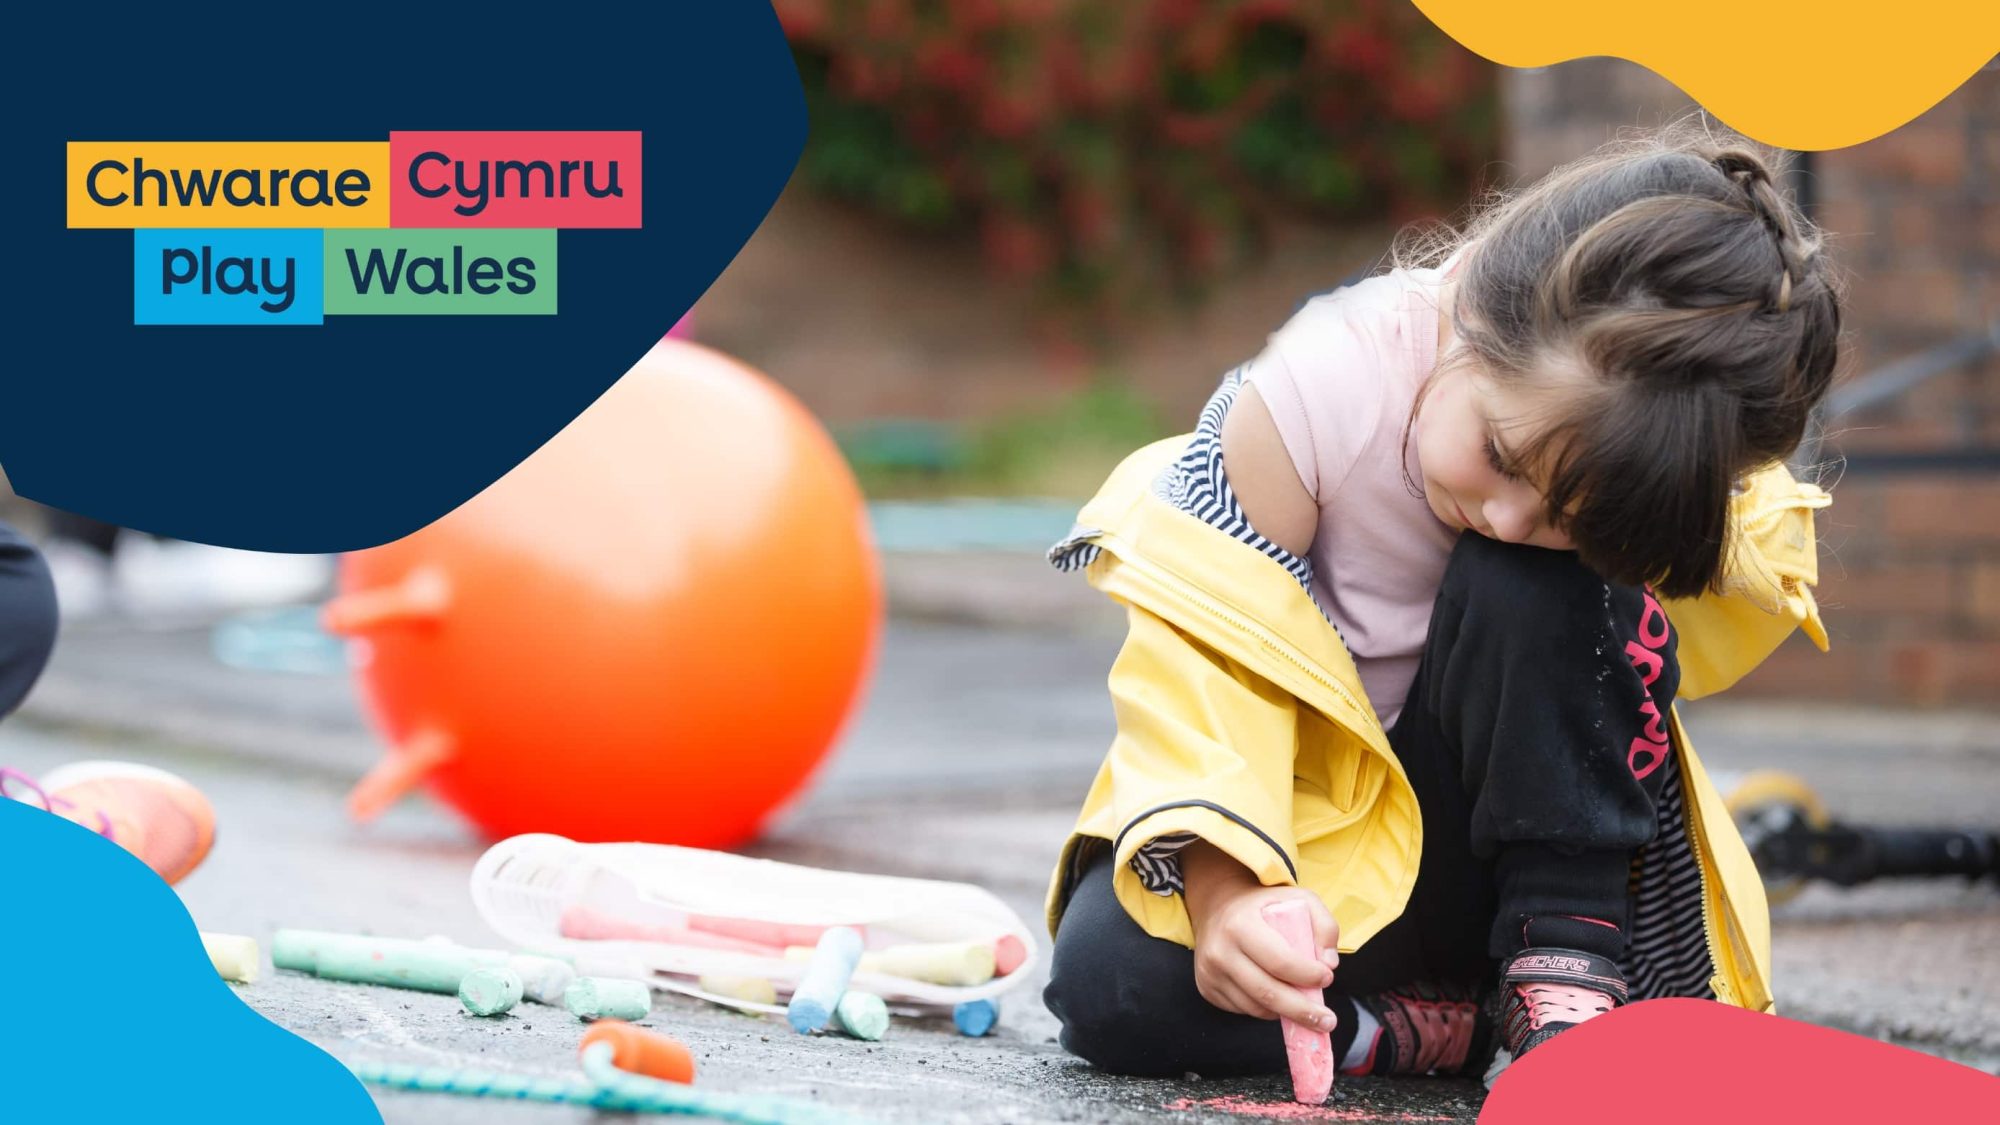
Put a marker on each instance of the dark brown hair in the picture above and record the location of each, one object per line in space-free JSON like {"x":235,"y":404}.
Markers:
{"x":1696,"y":296}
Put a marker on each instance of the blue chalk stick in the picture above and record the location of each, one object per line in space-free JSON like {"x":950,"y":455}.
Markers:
{"x":827,"y":974}
{"x":976,"y":1017}
{"x":806,"y":1016}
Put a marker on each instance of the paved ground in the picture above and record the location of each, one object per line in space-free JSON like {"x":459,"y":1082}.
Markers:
{"x":967,"y":760}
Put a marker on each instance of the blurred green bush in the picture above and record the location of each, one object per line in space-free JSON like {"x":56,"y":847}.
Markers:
{"x":1113,"y":149}
{"x":1061,"y":447}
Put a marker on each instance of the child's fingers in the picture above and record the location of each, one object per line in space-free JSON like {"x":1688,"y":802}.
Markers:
{"x":1226,"y":979}
{"x":1242,"y":1003}
{"x":1273,"y":998}
{"x":1233,"y":1000}
{"x":1326,"y":931}
{"x":1275,"y":957}
{"x":1216,"y":987}
{"x":1212,"y":981}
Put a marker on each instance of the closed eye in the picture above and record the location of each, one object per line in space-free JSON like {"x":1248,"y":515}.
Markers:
{"x":1493,"y":458}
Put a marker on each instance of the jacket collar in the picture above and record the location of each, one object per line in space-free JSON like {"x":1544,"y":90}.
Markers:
{"x":1221,"y":590}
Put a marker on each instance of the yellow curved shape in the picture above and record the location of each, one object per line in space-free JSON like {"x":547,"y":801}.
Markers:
{"x":1791,"y":73}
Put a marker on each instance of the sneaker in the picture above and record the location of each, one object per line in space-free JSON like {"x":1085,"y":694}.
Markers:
{"x":1424,"y":1029}
{"x":149,"y":812}
{"x":1545,"y":992}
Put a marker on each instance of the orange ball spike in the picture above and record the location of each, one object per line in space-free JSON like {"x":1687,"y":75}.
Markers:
{"x":635,"y":1050}
{"x":654,"y":628}
{"x":421,"y":598}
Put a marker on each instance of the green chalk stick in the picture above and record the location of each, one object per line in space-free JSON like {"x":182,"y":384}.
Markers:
{"x":862,"y":1015}
{"x":428,"y":968}
{"x":597,"y":998}
{"x":301,"y":949}
{"x":490,"y":991}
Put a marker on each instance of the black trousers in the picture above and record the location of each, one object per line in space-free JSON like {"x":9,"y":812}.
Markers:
{"x":27,"y":617}
{"x":1518,"y":738}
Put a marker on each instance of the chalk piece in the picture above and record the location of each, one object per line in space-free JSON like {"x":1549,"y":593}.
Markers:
{"x":776,"y":935}
{"x":862,"y":1015}
{"x":752,"y":990}
{"x":596,"y":998}
{"x":543,"y":979}
{"x":234,"y":956}
{"x":1008,"y":954}
{"x":548,"y":955}
{"x":301,"y":949}
{"x":961,"y":964}
{"x":428,"y":968}
{"x":1309,"y":1049}
{"x":826,"y":977}
{"x":490,"y":991}
{"x":976,"y":1017}
{"x":584,"y":924}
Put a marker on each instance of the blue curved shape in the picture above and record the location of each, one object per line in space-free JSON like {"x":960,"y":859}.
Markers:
{"x":348,"y":434}
{"x":114,"y":1012}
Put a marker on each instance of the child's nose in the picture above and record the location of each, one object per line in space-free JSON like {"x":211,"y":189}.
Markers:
{"x":1512,"y":522}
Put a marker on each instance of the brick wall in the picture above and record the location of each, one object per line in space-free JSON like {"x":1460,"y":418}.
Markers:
{"x":1910,"y":558}
{"x":863,"y":321}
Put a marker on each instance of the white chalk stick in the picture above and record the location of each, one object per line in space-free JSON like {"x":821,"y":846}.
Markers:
{"x":543,"y":979}
{"x":234,"y":956}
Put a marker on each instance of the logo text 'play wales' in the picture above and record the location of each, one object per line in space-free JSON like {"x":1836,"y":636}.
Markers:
{"x":291,"y":232}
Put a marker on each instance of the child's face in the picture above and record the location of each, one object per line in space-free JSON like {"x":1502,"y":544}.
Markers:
{"x":1465,"y":436}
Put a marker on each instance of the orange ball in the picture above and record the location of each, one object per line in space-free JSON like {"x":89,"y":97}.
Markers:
{"x":651,"y":629}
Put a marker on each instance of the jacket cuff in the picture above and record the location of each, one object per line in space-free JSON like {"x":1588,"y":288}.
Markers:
{"x":1165,"y":916}
{"x":1158,"y":862}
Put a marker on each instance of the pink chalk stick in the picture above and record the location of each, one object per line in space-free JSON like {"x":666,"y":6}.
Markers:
{"x":585,"y":924}
{"x":1008,"y":953}
{"x":1309,"y":1049}
{"x":779,"y":934}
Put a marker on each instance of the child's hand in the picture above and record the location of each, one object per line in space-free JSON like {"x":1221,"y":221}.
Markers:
{"x":1240,"y":963}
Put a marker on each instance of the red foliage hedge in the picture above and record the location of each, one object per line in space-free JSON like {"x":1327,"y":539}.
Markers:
{"x":1108,"y":145}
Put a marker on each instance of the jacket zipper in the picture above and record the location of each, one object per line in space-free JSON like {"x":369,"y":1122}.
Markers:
{"x":1692,"y":802}
{"x":1701,"y":869}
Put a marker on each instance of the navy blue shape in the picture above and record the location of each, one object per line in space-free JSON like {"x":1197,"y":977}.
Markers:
{"x":116,"y":1013}
{"x":360,"y":431}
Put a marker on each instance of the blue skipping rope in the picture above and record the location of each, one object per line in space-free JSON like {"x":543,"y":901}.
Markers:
{"x":603,"y":1087}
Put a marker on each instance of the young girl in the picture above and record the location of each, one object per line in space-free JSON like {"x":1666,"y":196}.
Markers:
{"x":1413,"y":657}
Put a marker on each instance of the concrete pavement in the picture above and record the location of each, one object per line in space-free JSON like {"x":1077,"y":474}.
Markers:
{"x":968,"y":758}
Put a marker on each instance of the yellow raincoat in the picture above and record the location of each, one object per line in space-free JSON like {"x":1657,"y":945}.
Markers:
{"x":1241,"y":719}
